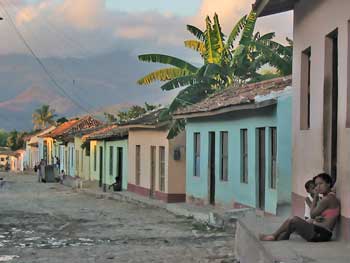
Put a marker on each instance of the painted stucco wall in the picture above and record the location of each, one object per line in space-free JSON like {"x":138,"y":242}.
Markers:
{"x":109,"y":174}
{"x":177,"y":168}
{"x":233,"y":190}
{"x":308,"y":159}
{"x":82,"y":161}
{"x":94,"y":173}
{"x":147,"y":138}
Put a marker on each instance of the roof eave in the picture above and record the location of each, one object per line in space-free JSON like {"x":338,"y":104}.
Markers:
{"x":267,"y":7}
{"x":248,"y":106}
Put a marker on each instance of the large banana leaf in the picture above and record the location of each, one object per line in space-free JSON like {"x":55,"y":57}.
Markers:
{"x":180,"y":82}
{"x":196,"y":45}
{"x":219,"y":36}
{"x":236,"y":31}
{"x":165,"y":59}
{"x":212,"y":48}
{"x":199,"y":34}
{"x":248,"y":30}
{"x":177,"y":126}
{"x":163,"y":75}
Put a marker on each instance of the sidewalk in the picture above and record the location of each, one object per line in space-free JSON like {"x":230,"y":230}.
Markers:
{"x":296,"y":250}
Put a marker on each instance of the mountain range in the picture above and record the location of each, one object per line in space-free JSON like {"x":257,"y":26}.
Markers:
{"x":89,"y":85}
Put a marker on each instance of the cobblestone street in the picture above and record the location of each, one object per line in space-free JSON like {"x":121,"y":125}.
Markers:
{"x":52,"y":223}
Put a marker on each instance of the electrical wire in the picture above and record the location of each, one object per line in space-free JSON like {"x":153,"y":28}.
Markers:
{"x":46,"y":71}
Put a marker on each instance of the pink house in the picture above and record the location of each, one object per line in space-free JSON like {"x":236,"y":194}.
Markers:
{"x":156,"y":165}
{"x":321,"y":103}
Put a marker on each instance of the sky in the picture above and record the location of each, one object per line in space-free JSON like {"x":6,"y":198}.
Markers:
{"x":86,"y":27}
{"x":77,"y":31}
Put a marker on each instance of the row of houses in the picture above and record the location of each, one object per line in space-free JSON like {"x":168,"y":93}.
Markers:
{"x":254,"y":146}
{"x":235,"y":152}
{"x":11,"y":160}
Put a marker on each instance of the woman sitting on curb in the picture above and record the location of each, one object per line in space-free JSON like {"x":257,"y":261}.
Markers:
{"x":324,"y":214}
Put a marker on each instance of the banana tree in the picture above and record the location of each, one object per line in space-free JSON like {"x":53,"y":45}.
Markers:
{"x":225,"y":62}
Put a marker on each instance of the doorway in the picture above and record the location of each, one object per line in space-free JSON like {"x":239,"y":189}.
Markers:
{"x":101,"y":166}
{"x":331,"y":105}
{"x":120,"y":168}
{"x":153,"y":170}
{"x":261,"y":168}
{"x":212,"y":168}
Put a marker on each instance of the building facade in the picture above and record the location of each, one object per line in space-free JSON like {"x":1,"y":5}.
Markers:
{"x":321,"y":103}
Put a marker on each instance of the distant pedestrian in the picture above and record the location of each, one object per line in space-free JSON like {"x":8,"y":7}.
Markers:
{"x":58,"y":162}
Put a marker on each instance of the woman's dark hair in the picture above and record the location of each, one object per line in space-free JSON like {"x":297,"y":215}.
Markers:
{"x":325,"y":177}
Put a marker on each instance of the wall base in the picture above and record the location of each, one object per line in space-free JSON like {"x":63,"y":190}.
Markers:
{"x":165,"y":197}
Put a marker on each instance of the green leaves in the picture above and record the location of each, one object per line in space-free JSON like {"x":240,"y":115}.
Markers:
{"x":236,"y":31}
{"x":196,"y":45}
{"x":43,"y":116}
{"x":165,"y":59}
{"x":199,"y":34}
{"x":162,"y":75}
{"x":224,"y":62}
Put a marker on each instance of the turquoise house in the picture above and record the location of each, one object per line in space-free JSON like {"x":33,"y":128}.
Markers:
{"x":238,"y":147}
{"x":108,"y":149}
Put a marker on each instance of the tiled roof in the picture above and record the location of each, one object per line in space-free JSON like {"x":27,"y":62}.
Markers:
{"x":60,"y":129}
{"x":237,"y":96}
{"x":111,"y":131}
{"x":73,"y":126}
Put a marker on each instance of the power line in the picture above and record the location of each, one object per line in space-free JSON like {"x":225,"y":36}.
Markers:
{"x":47,"y":72}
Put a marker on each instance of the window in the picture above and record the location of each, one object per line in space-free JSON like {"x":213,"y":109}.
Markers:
{"x":138,"y":164}
{"x":95,"y":157}
{"x":244,"y":156}
{"x":162,"y":168}
{"x":305,"y":97}
{"x":197,"y":149}
{"x":224,"y":156}
{"x":273,"y":132}
{"x":110,"y":160}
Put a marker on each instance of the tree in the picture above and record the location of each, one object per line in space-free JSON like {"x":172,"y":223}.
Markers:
{"x":224,"y":63}
{"x":61,"y":120}
{"x":3,"y":137}
{"x":43,"y":116}
{"x":15,"y":140}
{"x":132,"y":113}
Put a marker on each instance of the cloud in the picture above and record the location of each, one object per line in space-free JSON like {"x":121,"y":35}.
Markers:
{"x":68,"y":25}
{"x":84,"y":14}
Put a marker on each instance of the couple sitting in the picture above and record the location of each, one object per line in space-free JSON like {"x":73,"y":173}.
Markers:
{"x":324,"y":214}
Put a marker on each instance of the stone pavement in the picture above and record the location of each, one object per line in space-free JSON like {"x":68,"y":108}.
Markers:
{"x":247,"y":225}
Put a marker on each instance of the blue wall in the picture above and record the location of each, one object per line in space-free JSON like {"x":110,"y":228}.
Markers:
{"x":233,"y":190}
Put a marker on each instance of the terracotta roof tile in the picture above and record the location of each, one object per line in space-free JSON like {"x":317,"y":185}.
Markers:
{"x":237,"y":96}
{"x":73,"y":126}
{"x":110,"y":131}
